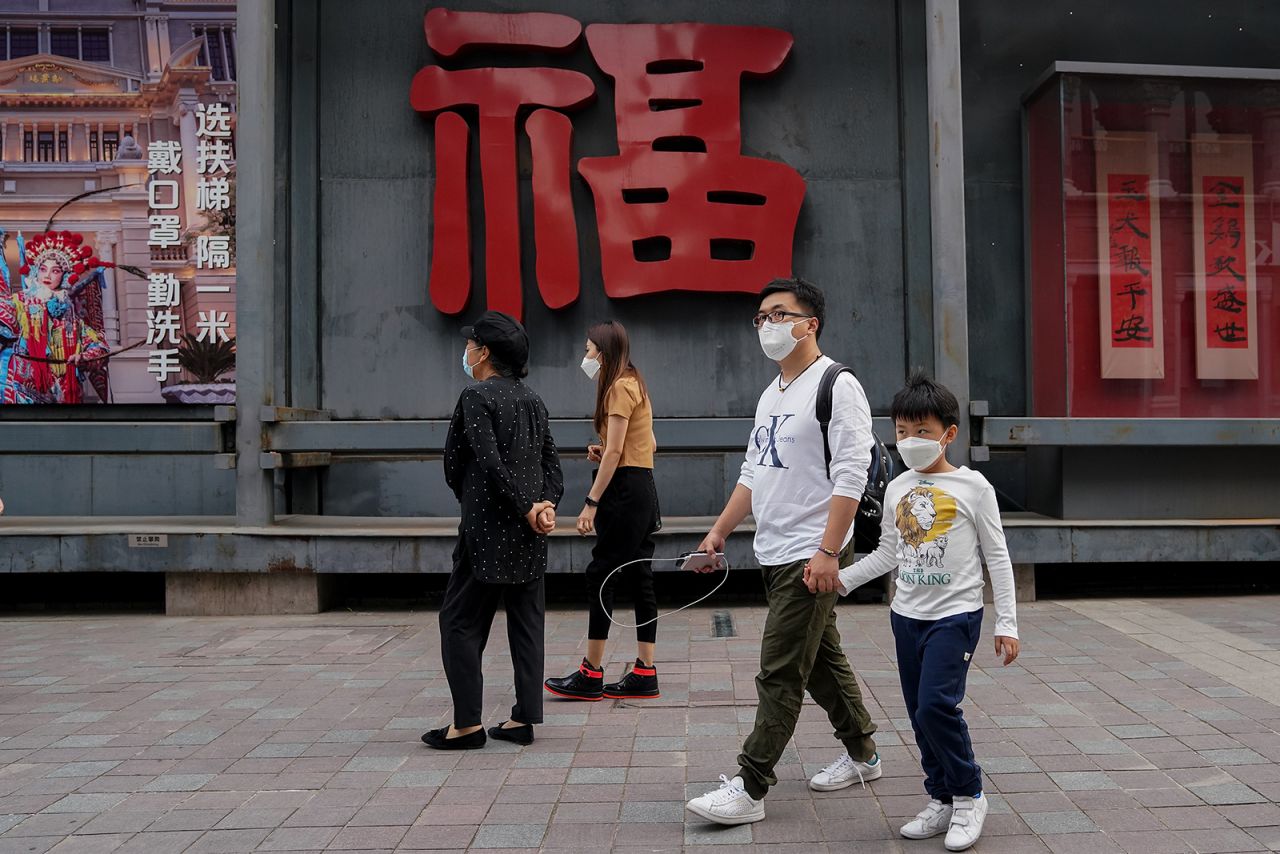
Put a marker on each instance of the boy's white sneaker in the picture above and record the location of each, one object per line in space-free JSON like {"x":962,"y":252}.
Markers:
{"x":729,"y":804}
{"x":929,"y":822}
{"x":967,"y":818}
{"x":844,"y":772}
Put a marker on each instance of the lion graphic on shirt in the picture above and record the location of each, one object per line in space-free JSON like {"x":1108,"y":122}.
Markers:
{"x":923,"y":516}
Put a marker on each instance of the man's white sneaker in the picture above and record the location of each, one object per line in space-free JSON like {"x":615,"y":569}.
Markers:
{"x":929,"y":822}
{"x":729,"y":804}
{"x":966,"y":822}
{"x":844,"y":772}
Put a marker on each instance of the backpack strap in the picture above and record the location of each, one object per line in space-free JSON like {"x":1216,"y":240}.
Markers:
{"x":826,"y":393}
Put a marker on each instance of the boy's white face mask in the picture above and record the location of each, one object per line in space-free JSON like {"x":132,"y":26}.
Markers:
{"x":919,"y":453}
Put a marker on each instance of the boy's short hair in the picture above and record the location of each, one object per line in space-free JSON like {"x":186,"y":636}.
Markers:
{"x":921,"y":398}
{"x":808,"y":294}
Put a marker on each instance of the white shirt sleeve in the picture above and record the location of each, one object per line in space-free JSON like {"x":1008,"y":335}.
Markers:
{"x":999,"y":567}
{"x":746,"y":474}
{"x":850,"y":437}
{"x":883,"y":559}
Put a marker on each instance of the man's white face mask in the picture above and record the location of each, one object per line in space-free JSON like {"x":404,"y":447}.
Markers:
{"x":776,"y":339}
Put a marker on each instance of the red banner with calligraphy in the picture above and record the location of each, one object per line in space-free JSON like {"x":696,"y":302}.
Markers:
{"x":1226,"y":281}
{"x":1130,"y":295}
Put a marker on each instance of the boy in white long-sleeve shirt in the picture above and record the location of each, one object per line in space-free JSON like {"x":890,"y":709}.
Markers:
{"x":936,"y":519}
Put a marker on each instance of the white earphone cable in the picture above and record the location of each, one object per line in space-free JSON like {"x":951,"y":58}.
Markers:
{"x":724,"y":564}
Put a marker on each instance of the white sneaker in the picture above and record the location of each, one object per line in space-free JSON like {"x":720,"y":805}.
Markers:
{"x":929,"y":822}
{"x":729,"y":804}
{"x":841,"y":773}
{"x":966,"y":822}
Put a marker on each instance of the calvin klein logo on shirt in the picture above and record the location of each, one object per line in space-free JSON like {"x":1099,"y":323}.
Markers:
{"x":766,"y":440}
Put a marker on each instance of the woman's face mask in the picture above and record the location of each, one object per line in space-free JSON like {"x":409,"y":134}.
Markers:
{"x":590,"y":367}
{"x":468,"y":368}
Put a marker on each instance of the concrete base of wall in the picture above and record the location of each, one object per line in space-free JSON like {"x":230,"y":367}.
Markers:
{"x":221,"y":594}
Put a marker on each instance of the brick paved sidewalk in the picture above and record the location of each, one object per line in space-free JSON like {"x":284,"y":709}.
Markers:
{"x":1135,"y":726}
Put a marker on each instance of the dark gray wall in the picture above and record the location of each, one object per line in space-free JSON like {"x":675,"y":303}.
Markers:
{"x":832,"y":112}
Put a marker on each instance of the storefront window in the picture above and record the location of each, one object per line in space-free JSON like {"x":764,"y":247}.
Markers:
{"x":1153,"y":220}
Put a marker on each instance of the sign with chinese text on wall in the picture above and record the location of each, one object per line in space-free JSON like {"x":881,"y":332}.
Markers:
{"x":679,"y":208}
{"x":117,"y":281}
{"x":1226,"y":281}
{"x":1130,"y":291}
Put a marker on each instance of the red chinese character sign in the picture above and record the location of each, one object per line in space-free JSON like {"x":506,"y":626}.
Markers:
{"x":679,"y":208}
{"x":500,"y":94}
{"x":1226,"y":281}
{"x":1130,"y":291}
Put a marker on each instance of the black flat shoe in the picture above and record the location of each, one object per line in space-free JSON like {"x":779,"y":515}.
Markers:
{"x":517,"y":734}
{"x":438,"y":739}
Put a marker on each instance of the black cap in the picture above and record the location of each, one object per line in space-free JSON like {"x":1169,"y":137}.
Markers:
{"x":503,"y":335}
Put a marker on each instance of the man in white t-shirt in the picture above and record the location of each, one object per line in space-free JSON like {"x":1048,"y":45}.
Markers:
{"x":804,"y":529}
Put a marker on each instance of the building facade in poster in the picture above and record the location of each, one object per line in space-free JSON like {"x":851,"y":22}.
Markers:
{"x":117,"y":127}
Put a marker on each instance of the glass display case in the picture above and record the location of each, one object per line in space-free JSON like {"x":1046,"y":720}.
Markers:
{"x":1153,"y":217}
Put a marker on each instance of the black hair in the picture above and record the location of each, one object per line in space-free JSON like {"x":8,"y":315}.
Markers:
{"x":921,"y":398}
{"x":808,"y":294}
{"x":518,"y":372}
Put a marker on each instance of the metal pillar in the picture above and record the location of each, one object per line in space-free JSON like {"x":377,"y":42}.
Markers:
{"x":946,"y":209}
{"x":255,"y":257}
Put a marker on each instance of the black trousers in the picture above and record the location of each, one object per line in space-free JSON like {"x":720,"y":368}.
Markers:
{"x":625,"y":523}
{"x":465,"y":620}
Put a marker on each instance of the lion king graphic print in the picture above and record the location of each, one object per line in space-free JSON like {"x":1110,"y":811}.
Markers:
{"x":923,"y":517}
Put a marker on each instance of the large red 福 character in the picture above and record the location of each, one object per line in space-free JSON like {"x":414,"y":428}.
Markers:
{"x":499,"y":94}
{"x":680,"y":208}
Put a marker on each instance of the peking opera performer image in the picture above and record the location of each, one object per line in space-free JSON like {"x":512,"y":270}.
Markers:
{"x":52,"y":345}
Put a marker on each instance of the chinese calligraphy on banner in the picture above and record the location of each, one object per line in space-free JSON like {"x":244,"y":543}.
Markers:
{"x":678,"y":209}
{"x":1130,"y":291}
{"x":1226,"y":281}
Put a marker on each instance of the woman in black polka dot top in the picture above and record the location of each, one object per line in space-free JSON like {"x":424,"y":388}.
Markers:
{"x":501,"y":463}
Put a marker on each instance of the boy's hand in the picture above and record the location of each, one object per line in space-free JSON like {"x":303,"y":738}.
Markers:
{"x":1008,"y":647}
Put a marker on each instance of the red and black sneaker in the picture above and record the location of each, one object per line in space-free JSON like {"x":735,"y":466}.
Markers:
{"x":641,"y":683}
{"x":587,"y":683}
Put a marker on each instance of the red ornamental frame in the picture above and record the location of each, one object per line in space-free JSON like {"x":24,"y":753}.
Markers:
{"x":1226,"y":289}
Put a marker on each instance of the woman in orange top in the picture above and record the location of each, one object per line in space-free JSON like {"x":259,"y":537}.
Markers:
{"x":622,"y":509}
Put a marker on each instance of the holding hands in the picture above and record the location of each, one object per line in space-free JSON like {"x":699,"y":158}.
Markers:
{"x":822,"y":573}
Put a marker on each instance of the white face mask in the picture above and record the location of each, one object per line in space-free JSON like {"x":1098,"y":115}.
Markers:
{"x":590,"y":367}
{"x":919,"y":453}
{"x":776,"y":339}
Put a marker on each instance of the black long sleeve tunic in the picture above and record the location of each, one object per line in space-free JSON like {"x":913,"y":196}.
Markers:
{"x":500,"y":460}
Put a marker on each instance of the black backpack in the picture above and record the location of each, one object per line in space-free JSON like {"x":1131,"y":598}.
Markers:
{"x":866,"y":525}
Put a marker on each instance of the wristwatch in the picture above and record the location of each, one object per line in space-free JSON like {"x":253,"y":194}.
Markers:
{"x":591,"y":502}
{"x":828,"y":552}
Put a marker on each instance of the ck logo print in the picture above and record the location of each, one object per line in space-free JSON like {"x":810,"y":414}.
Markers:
{"x":767,"y":439}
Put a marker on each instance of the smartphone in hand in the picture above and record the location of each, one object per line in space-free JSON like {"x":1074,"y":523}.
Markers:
{"x":702,"y":562}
